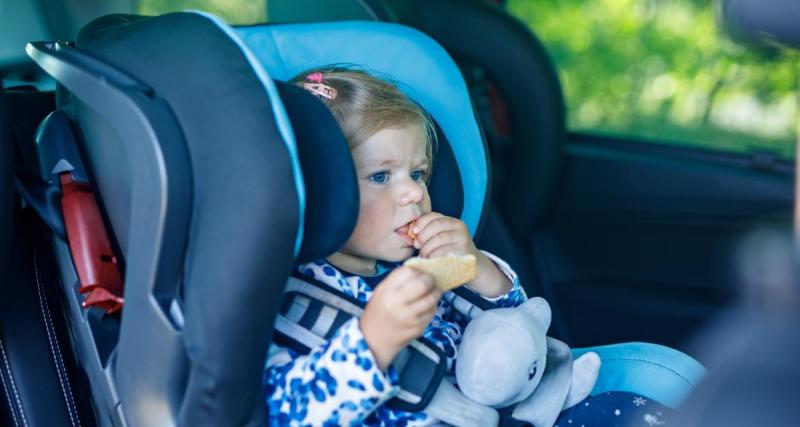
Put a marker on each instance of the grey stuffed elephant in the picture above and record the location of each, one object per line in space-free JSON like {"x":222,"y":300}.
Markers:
{"x":505,"y":359}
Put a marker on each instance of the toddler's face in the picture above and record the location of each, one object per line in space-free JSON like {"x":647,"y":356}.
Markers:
{"x":391,"y":167}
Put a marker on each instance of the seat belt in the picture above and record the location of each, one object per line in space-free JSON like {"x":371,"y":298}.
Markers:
{"x":68,"y":206}
{"x":312,"y":312}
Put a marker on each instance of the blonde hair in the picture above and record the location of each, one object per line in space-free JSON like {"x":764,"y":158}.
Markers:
{"x":365,"y":104}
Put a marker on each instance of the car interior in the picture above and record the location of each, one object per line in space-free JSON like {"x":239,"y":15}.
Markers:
{"x":197,"y":177}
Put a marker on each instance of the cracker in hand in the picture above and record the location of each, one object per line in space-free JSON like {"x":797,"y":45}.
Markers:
{"x":449,"y":271}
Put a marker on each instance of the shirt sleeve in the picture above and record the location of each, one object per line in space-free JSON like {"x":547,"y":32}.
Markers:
{"x":336,"y":384}
{"x":516,"y":295}
{"x":445,"y":334}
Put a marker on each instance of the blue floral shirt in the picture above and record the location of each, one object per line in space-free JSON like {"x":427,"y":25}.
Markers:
{"x":339,"y":383}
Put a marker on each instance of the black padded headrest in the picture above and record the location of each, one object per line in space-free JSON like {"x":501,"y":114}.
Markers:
{"x":445,"y":187}
{"x":332,"y":196}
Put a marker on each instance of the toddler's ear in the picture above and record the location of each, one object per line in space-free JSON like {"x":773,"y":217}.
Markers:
{"x":539,"y":309}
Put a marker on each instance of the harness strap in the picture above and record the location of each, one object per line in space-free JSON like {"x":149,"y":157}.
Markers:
{"x":467,"y":302}
{"x":312,"y":312}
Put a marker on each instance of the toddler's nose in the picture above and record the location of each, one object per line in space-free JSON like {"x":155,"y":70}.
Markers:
{"x":412,"y":193}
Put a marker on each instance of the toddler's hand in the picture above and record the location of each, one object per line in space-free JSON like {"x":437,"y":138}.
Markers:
{"x":399,"y":311}
{"x":439,"y":235}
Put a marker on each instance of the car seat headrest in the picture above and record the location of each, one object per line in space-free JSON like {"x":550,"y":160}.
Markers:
{"x":386,"y":51}
{"x":332,"y":196}
{"x":445,"y":187}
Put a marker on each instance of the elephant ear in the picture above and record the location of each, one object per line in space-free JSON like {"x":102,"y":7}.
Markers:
{"x":539,"y":309}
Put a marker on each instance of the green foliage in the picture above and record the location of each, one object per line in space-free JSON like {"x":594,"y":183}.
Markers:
{"x":663,"y":70}
{"x":235,"y":12}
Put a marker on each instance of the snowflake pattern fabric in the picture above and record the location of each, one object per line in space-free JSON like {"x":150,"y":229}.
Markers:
{"x":616,"y":409}
{"x":339,"y":383}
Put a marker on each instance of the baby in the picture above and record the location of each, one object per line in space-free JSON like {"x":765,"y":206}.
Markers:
{"x":347,"y":380}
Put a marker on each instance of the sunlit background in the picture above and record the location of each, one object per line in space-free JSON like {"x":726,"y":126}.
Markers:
{"x":662,"y":69}
{"x":238,"y":12}
{"x":659,"y":70}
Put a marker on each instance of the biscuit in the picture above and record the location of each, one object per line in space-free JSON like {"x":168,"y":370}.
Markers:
{"x":410,"y":232}
{"x":449,"y":271}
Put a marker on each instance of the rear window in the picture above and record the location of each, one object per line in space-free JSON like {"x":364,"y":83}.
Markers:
{"x":235,"y":12}
{"x":663,"y":70}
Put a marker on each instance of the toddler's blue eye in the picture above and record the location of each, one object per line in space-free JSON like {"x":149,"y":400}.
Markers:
{"x":418,"y":175}
{"x":379,"y":177}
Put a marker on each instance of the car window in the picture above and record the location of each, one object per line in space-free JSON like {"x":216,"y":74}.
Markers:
{"x":235,"y":12}
{"x":662,"y":70}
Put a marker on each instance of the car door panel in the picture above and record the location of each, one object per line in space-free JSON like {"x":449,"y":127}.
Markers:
{"x":641,"y":243}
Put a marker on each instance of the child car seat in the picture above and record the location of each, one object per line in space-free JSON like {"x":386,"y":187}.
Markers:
{"x":436,"y":84}
{"x":203,"y":280}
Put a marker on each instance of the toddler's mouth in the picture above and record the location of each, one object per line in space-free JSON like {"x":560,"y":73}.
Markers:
{"x":410,"y":230}
{"x":406,"y":230}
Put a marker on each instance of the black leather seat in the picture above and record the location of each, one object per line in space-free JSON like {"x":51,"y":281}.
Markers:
{"x":41,"y":382}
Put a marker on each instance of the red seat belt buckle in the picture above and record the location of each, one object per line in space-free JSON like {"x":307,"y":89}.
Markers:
{"x":94,"y":259}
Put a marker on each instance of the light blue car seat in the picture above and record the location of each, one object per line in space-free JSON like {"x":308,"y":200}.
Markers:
{"x":429,"y":76}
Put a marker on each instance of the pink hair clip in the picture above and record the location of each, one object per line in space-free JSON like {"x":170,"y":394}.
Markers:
{"x":317,"y":87}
